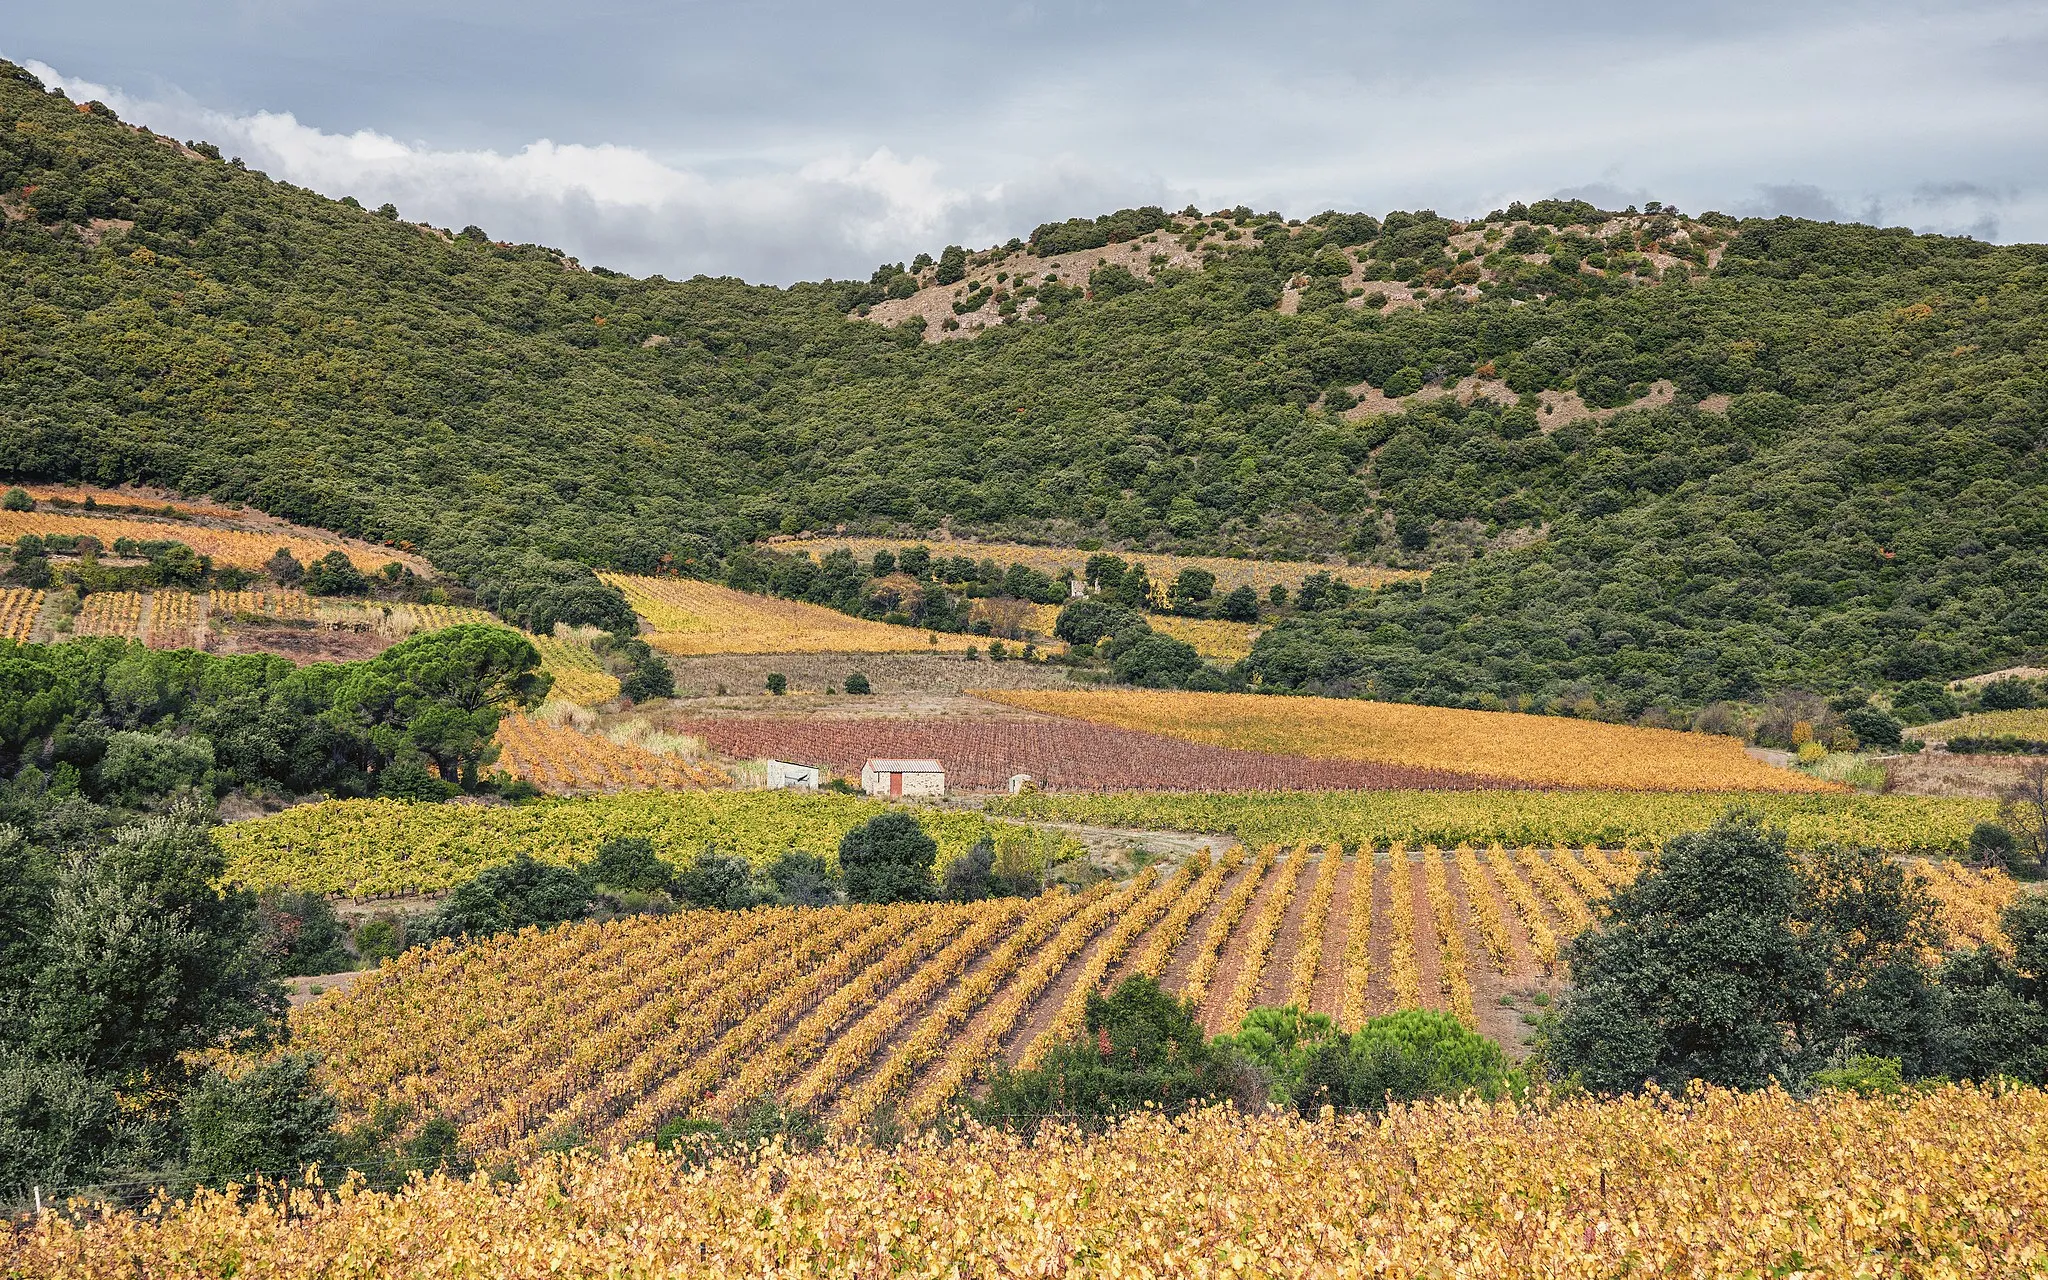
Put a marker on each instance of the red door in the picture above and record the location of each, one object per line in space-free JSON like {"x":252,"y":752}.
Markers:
{"x":896,"y":784}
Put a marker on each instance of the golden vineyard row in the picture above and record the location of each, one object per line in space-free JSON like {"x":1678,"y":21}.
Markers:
{"x":387,"y":846}
{"x":1946,"y":1185}
{"x":1610,"y":819}
{"x":609,"y":1030}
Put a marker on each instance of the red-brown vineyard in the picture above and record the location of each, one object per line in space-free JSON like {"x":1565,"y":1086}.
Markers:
{"x":1064,"y":755}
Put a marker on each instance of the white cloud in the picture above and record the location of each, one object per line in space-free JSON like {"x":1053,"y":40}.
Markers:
{"x":625,"y":208}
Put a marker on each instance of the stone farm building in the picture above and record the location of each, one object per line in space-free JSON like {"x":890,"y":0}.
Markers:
{"x":882,"y":777}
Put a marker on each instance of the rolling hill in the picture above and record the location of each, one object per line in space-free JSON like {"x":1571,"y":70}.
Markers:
{"x":1651,"y":460}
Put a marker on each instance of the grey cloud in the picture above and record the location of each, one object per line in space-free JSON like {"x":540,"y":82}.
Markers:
{"x":1796,"y":200}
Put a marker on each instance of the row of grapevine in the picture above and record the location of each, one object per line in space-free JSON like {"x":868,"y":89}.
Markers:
{"x":1635,"y":820}
{"x":19,"y":609}
{"x":364,"y":847}
{"x":1947,"y":1182}
{"x":172,"y":621}
{"x":110,"y":613}
{"x":608,"y":1030}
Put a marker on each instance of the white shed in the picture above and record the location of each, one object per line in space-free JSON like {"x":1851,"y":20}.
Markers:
{"x":1021,"y":783}
{"x":799,"y":777}
{"x":903,"y":778}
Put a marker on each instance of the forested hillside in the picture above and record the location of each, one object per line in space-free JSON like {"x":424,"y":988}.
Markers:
{"x":1860,"y":498}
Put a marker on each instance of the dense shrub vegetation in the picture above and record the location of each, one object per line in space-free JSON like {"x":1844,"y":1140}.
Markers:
{"x":1867,"y":508}
{"x":95,"y":731}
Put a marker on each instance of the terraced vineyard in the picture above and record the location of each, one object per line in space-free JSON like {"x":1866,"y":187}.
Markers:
{"x":692,"y":618}
{"x":1069,"y":755}
{"x":111,"y":613}
{"x":19,"y":609}
{"x":608,"y":1030}
{"x":1543,"y":750}
{"x":244,"y":548}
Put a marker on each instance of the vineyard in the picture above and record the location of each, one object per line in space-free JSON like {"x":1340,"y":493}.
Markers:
{"x":387,"y":846}
{"x":2029,"y":723}
{"x":607,"y":1030}
{"x":172,"y":621}
{"x":1261,"y":575}
{"x":579,"y":677}
{"x":19,"y":609}
{"x":566,"y":761}
{"x":692,"y":618}
{"x":111,"y":613}
{"x":1611,"y":819}
{"x":292,"y":605}
{"x":244,"y":548}
{"x":1940,"y":1184}
{"x":1217,"y":639}
{"x":1543,"y":750}
{"x":1069,"y":755}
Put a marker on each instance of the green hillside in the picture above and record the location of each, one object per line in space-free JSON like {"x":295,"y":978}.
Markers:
{"x":1866,"y":502}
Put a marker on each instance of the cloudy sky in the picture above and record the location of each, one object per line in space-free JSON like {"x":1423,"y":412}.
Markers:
{"x":792,"y":139}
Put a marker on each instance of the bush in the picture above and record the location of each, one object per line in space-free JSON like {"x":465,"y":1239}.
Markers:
{"x":722,"y":881}
{"x":1090,"y":621}
{"x":139,"y":767}
{"x":803,"y":880}
{"x":1872,"y":727}
{"x":284,"y":568}
{"x":17,"y":499}
{"x":507,"y":898}
{"x":629,"y":864}
{"x":1140,"y":1046}
{"x":1727,"y":961}
{"x":335,"y":575}
{"x":2008,"y":693}
{"x":57,"y":1125}
{"x":1240,"y":604}
{"x":1402,"y":1057}
{"x":409,"y":778}
{"x":1866,"y":1076}
{"x":777,"y":683}
{"x":270,"y":1121}
{"x":1155,"y":661}
{"x":858,"y":684}
{"x":301,"y":934}
{"x":1992,"y":845}
{"x":888,"y":858}
{"x":973,"y":876}
{"x":650,"y":678}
